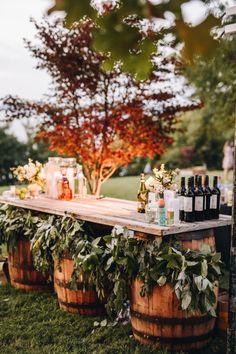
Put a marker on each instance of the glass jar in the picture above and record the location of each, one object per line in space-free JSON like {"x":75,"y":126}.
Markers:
{"x":52,"y":173}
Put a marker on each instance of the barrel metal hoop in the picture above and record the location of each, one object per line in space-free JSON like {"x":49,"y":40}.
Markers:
{"x":174,"y":340}
{"x":195,"y":235}
{"x":28,"y":282}
{"x":79,"y":286}
{"x":170,"y":320}
{"x":76,"y":305}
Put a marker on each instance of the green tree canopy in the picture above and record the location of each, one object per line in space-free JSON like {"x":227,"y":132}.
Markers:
{"x":202,"y":134}
{"x":216,"y":85}
{"x":125,"y":28}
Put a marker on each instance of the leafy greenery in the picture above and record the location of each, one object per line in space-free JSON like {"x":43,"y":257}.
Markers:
{"x":201,"y":135}
{"x":117,"y":31}
{"x":116,"y":259}
{"x":196,"y":141}
{"x":32,"y":323}
{"x":215,"y":85}
{"x":16,"y":223}
{"x":54,"y":237}
{"x":111,"y":262}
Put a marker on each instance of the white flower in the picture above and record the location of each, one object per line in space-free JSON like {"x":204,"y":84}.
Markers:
{"x":150,"y":184}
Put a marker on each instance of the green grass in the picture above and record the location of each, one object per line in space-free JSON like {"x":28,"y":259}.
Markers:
{"x":127,"y":187}
{"x":33,"y":324}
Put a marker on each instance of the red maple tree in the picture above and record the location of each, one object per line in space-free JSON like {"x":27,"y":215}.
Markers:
{"x":104,"y":118}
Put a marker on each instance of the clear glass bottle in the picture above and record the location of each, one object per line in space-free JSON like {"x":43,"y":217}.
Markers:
{"x":80,"y":184}
{"x":151,"y":208}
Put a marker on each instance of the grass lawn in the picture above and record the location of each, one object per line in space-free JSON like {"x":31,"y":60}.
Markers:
{"x":33,"y":324}
{"x":127,"y":187}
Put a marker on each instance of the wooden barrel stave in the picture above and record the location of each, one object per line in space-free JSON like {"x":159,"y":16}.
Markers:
{"x":180,"y":331}
{"x":84,"y":300}
{"x":23,"y":275}
{"x":188,"y":240}
{"x":222,"y":319}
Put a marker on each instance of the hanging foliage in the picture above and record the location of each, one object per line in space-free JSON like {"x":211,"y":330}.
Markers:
{"x":118,"y":28}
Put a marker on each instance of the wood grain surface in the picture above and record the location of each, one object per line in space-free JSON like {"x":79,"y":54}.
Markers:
{"x":111,"y":211}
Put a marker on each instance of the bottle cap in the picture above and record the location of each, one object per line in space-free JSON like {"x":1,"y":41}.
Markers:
{"x":161,"y":202}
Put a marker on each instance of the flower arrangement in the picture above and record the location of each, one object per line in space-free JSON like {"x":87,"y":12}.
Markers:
{"x":162,"y":179}
{"x":31,"y":172}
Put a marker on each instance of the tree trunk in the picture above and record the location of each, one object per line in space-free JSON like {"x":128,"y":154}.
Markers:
{"x":231,"y":332}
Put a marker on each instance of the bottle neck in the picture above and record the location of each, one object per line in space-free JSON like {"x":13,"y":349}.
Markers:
{"x":215,"y":180}
{"x":206,"y":182}
{"x":190,"y":184}
{"x":199,"y":182}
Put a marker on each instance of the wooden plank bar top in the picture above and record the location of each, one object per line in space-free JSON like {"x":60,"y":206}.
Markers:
{"x":111,"y":211}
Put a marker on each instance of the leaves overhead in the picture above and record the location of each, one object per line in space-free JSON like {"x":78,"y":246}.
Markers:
{"x":120,"y":37}
{"x":105,"y":118}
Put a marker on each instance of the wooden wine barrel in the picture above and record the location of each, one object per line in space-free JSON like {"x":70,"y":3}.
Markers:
{"x":84,"y":300}
{"x":189,"y":240}
{"x":23,"y":275}
{"x":157,"y":321}
{"x":194,"y":239}
{"x":222,"y":314}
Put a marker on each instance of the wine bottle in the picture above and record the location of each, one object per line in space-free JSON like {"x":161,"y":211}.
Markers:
{"x":141,"y":197}
{"x":199,"y":200}
{"x":207,"y":201}
{"x":181,"y":193}
{"x":189,"y":215}
{"x":215,"y":200}
{"x":192,"y":183}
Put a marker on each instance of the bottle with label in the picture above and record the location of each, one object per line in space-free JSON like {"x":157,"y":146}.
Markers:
{"x":63,"y":186}
{"x":189,"y":214}
{"x":142,"y":196}
{"x":161,"y":212}
{"x":181,"y":194}
{"x":215,"y":200}
{"x":199,"y":200}
{"x":207,"y":201}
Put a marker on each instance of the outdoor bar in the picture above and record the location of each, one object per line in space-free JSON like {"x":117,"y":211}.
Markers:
{"x":156,"y":319}
{"x":118,"y":178}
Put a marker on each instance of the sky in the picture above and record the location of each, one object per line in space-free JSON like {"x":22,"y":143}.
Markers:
{"x":18,"y":75}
